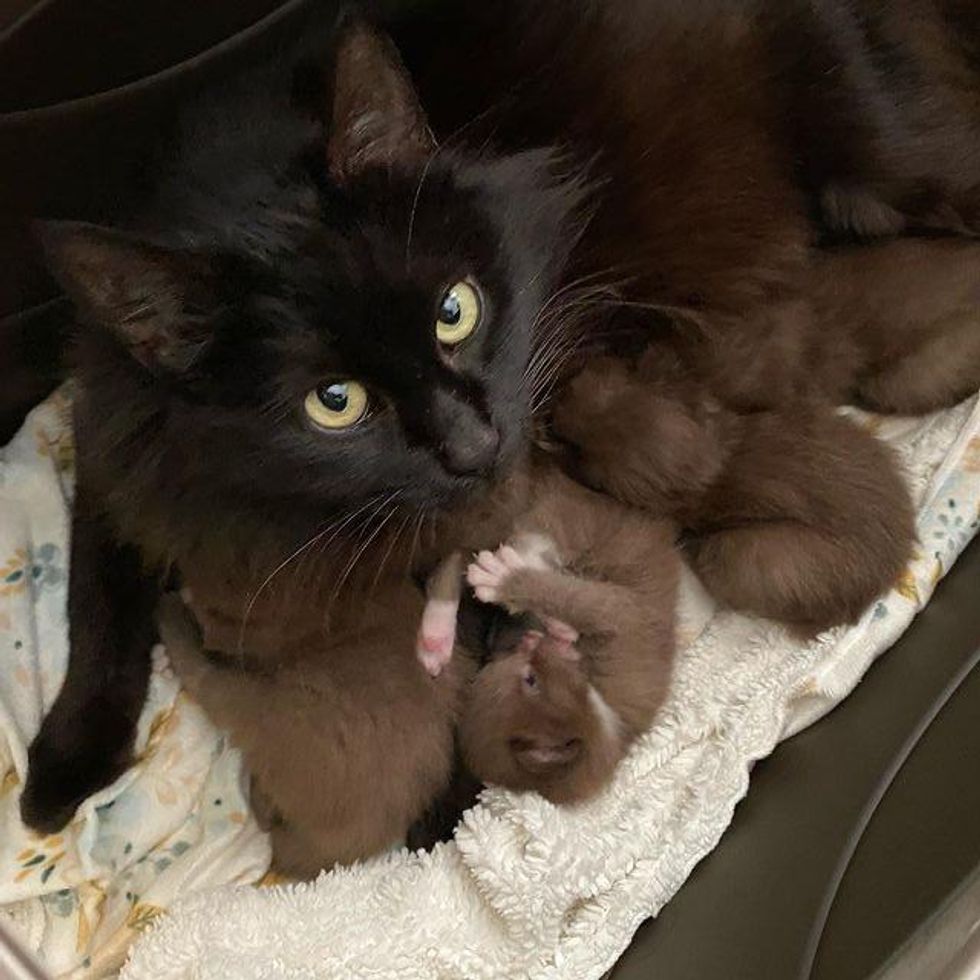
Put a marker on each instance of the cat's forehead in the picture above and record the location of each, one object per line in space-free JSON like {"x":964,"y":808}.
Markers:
{"x":415,"y":230}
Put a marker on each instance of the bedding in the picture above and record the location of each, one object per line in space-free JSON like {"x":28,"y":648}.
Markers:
{"x":525,"y":889}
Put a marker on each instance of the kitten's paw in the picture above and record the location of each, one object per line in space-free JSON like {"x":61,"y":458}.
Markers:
{"x":489,"y":572}
{"x":437,"y":635}
{"x":562,"y":633}
{"x":181,"y":638}
{"x":557,"y":640}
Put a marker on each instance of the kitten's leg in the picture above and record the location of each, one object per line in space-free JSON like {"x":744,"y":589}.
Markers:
{"x":437,"y":631}
{"x":912,"y":309}
{"x":630,"y":632}
{"x":807,"y":525}
{"x":293,"y":854}
{"x":86,"y":739}
{"x":527,"y":551}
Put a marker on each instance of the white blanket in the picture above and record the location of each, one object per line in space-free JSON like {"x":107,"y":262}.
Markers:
{"x":531,"y":890}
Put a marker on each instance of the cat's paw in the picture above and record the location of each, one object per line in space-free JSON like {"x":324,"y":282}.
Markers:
{"x":437,"y":635}
{"x":72,"y":758}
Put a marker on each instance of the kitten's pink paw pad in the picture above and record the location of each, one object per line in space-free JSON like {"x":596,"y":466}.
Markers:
{"x":434,"y":658}
{"x":437,"y":635}
{"x":529,"y":642}
{"x":491,"y":569}
{"x":559,"y":630}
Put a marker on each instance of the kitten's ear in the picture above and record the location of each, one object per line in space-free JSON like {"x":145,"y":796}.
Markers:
{"x":152,"y":298}
{"x":377,"y":120}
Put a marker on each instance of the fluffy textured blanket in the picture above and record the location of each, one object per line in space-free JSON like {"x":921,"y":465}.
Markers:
{"x":531,"y":890}
{"x":525,"y":890}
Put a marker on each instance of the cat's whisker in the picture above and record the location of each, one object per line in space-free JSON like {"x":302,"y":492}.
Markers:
{"x":388,"y":551}
{"x":335,"y":526}
{"x":356,"y":557}
{"x":555,"y":356}
{"x":415,"y":208}
{"x":586,"y":283}
{"x":416,"y":536}
{"x":677,"y":314}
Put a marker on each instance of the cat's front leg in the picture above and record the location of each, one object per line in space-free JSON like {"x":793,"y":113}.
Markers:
{"x":86,"y":739}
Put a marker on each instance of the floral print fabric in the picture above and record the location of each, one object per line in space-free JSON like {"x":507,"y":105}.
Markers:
{"x":176,"y":822}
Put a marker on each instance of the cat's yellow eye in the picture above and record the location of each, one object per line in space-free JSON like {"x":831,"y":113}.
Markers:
{"x":459,"y":314}
{"x":337,"y":404}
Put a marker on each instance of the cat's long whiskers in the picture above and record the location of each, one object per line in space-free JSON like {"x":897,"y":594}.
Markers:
{"x":356,"y":557}
{"x":388,"y":551}
{"x":562,"y":344}
{"x":422,"y":515}
{"x":265,"y":584}
{"x":309,"y":543}
{"x":363,"y":527}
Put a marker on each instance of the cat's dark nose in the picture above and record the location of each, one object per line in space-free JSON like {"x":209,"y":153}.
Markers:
{"x":470,"y":448}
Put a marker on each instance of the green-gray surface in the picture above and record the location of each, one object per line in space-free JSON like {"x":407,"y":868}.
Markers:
{"x":753,"y":909}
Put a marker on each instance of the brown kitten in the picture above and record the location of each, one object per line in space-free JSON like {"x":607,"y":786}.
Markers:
{"x":557,"y":711}
{"x":805,"y":523}
{"x":329,"y":737}
{"x":534,"y":721}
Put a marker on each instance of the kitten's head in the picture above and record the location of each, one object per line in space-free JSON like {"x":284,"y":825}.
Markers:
{"x":532,"y":722}
{"x":359,"y":321}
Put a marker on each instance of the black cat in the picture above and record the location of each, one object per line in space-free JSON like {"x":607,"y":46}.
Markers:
{"x":307,"y":327}
{"x":285,"y":287}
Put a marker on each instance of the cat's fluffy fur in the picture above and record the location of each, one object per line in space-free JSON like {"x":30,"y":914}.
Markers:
{"x":278,"y":254}
{"x":725,"y":141}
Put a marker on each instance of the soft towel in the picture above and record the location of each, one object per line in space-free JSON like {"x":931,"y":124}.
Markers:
{"x":528,"y":889}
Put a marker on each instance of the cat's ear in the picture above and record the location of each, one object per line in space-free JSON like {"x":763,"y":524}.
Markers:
{"x":377,"y":120}
{"x":153,"y":298}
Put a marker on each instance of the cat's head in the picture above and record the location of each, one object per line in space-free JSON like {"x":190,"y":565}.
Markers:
{"x":359,"y":322}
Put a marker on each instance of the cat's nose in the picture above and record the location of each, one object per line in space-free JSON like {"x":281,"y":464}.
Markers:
{"x":470,"y":448}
